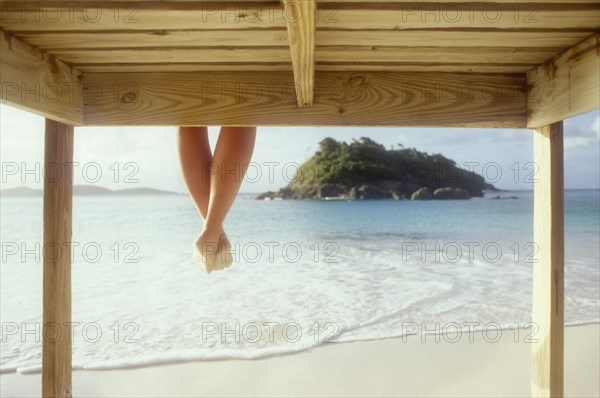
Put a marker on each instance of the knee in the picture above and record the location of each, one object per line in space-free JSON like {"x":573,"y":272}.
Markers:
{"x":192,"y":130}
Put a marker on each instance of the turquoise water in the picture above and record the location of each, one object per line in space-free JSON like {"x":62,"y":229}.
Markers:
{"x":305,"y":272}
{"x":494,"y":219}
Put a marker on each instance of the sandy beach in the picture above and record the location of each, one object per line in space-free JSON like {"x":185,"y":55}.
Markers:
{"x":391,"y":367}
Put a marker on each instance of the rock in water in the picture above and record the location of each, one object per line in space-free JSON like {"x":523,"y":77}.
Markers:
{"x":329,"y":190}
{"x":450,"y":193}
{"x":398,"y":196}
{"x":497,"y":197}
{"x":371,"y":192}
{"x":421,"y":194}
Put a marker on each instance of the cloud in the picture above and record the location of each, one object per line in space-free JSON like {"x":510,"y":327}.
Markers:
{"x":511,"y":135}
{"x":464,"y":136}
{"x":577,"y":136}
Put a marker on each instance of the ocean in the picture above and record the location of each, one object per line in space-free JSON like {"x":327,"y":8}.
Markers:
{"x":306,"y":273}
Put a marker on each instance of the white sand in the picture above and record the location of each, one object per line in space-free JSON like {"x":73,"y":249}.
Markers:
{"x":376,"y":368}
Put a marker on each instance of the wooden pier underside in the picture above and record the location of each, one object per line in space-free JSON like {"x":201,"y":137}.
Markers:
{"x":506,"y":64}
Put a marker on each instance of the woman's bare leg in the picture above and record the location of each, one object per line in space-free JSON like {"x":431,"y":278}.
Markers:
{"x":230,"y":161}
{"x":195,"y":159}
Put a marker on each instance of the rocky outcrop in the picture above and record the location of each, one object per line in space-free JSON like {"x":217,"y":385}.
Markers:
{"x":372,"y":192}
{"x":369,"y":191}
{"x":498,"y":197}
{"x":421,"y":194}
{"x":450,"y":193}
{"x":332,"y":191}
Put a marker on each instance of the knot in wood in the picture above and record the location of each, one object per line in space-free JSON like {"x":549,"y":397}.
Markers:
{"x":357,"y":80}
{"x":129,"y":97}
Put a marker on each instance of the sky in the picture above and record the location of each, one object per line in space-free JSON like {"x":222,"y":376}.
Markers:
{"x":133,"y":157}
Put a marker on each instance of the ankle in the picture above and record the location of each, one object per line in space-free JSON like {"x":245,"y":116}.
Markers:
{"x":212,"y":231}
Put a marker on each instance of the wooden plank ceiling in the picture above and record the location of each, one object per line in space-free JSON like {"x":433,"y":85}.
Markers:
{"x":470,"y":63}
{"x":506,"y":36}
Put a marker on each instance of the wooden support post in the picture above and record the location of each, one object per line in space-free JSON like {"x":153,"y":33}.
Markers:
{"x":301,"y":22}
{"x":548,"y":270}
{"x":58,"y":197}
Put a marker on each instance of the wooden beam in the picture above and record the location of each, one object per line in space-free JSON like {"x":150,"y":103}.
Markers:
{"x":548,"y":270}
{"x":341,"y":98}
{"x":450,"y":1}
{"x":303,"y":62}
{"x":453,"y":2}
{"x":398,"y":15}
{"x":320,"y":66}
{"x":36,"y":81}
{"x":565,"y":86}
{"x":58,"y":193}
{"x":300,"y":20}
{"x":63,"y":40}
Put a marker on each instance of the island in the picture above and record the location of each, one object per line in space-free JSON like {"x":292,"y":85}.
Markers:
{"x":365,"y":169}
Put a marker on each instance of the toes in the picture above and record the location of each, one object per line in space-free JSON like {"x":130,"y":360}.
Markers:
{"x":223,"y":258}
{"x":204,"y":260}
{"x":213,"y":257}
{"x":224,"y":262}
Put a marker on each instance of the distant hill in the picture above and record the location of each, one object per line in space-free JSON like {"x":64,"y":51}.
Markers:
{"x":21,"y":191}
{"x":365,"y":169}
{"x":86,"y":190}
{"x":91,"y":190}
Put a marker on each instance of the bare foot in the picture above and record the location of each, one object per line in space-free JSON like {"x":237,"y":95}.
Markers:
{"x":211,"y":251}
{"x":223,"y":257}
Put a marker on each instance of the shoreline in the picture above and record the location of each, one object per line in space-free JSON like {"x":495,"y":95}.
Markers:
{"x":466,"y":333}
{"x":385,"y":367}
